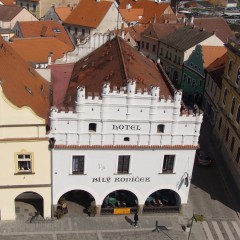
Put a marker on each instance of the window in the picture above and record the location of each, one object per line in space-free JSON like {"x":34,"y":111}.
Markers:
{"x":229,"y":67}
{"x":188,"y":80}
{"x":161,"y":51}
{"x":238,"y":114}
{"x":238,"y":155}
{"x":77,"y":164}
{"x":24,"y":162}
{"x":175,"y":58}
{"x":126,"y":139}
{"x":238,"y":76}
{"x":147,"y":46}
{"x":168,"y":163}
{"x":170,"y":56}
{"x":76,"y":30}
{"x":123,"y":163}
{"x":233,"y":105}
{"x":27,"y":6}
{"x":154,"y":48}
{"x":227,"y":135}
{"x":232,"y":144}
{"x":69,"y":28}
{"x":166,"y":54}
{"x":193,"y":83}
{"x":225,"y":96}
{"x":142,"y":44}
{"x":179,"y":60}
{"x":92,"y":127}
{"x":160,"y":128}
{"x":220,"y":124}
{"x":21,"y":4}
{"x":83,"y":32}
{"x":184,"y":77}
{"x":34,"y":8}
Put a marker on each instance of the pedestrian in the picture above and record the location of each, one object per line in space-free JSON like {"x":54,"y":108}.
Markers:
{"x":135,"y":219}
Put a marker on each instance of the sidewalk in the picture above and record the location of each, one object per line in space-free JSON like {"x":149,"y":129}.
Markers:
{"x":103,"y":227}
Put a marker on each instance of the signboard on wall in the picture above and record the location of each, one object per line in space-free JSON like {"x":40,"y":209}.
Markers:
{"x":121,"y":211}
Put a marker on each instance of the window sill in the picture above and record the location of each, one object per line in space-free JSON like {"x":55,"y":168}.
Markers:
{"x":122,"y":174}
{"x":167,"y":173}
{"x":24,"y":173}
{"x":77,"y":174}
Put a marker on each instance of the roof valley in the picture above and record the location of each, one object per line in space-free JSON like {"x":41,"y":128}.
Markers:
{"x":122,"y":66}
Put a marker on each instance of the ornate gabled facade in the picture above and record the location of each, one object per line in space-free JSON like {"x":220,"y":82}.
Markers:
{"x":134,"y":143}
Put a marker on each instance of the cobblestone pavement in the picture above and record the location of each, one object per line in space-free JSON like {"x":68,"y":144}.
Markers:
{"x":100,"y":228}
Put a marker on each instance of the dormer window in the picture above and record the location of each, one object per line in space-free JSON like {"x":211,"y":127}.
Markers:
{"x":56,"y":30}
{"x":92,"y":127}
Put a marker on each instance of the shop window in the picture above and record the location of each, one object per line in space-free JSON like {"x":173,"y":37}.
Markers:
{"x":123,"y":163}
{"x":24,"y":163}
{"x":160,"y":128}
{"x":232,"y":144}
{"x":168,"y":163}
{"x":233,"y":105}
{"x":78,"y":164}
{"x":126,"y":139}
{"x":92,"y":127}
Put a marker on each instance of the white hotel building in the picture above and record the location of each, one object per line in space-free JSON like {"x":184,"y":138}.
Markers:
{"x":126,"y":142}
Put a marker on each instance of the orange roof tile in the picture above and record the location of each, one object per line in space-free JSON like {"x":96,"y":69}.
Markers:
{"x":37,"y":49}
{"x":151,"y":10}
{"x":211,"y":53}
{"x":63,"y":12}
{"x":115,"y":62}
{"x":89,"y":13}
{"x":8,"y":2}
{"x":21,"y":84}
{"x":133,"y":14}
{"x":48,"y":28}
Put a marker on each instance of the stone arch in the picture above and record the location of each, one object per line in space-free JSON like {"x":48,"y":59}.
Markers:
{"x":27,"y":204}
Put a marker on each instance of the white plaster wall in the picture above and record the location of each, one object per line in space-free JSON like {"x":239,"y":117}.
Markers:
{"x":144,"y":164}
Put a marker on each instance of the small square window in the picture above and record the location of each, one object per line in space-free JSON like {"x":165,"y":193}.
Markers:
{"x":160,"y":128}
{"x":77,"y":164}
{"x":92,"y":127}
{"x":123,"y":163}
{"x":168,"y":163}
{"x":24,"y":162}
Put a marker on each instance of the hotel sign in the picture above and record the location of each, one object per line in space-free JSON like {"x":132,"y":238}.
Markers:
{"x":121,"y":179}
{"x":126,"y":127}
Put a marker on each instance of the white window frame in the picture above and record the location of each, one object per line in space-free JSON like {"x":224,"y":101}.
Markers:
{"x":71,"y":165}
{"x":27,"y":157}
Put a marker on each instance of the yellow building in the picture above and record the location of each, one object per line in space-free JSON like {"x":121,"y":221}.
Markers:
{"x":25,"y":178}
{"x":229,"y":115}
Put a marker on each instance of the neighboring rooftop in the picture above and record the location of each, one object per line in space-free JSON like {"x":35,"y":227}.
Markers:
{"x":218,"y":25}
{"x":21,"y":84}
{"x":36,"y":50}
{"x":89,"y":13}
{"x":7,"y":13}
{"x":216,"y":69}
{"x":131,"y":15}
{"x":8,"y":2}
{"x":63,"y":12}
{"x":115,"y":62}
{"x":212,"y":53}
{"x":49,"y":28}
{"x":185,"y":38}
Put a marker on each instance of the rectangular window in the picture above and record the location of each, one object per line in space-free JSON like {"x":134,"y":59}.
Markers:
{"x":123,"y":163}
{"x":147,"y":46}
{"x":142,"y":44}
{"x":161,"y":51}
{"x":168,"y":163}
{"x":154,"y":48}
{"x":24,"y":162}
{"x":77,"y":164}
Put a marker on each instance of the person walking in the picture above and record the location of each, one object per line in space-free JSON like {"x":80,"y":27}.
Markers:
{"x":135,"y":219}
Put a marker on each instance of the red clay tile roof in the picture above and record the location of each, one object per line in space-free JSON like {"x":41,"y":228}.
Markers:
{"x":160,"y":30}
{"x":51,"y":28}
{"x":9,"y":2}
{"x":7,"y":13}
{"x":37,"y":50}
{"x":63,"y":12}
{"x":217,"y":25}
{"x":61,"y":75}
{"x":133,"y":14}
{"x":22,"y":85}
{"x":216,"y":69}
{"x":211,"y":53}
{"x":89,"y":13}
{"x":115,"y":62}
{"x":151,"y":9}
